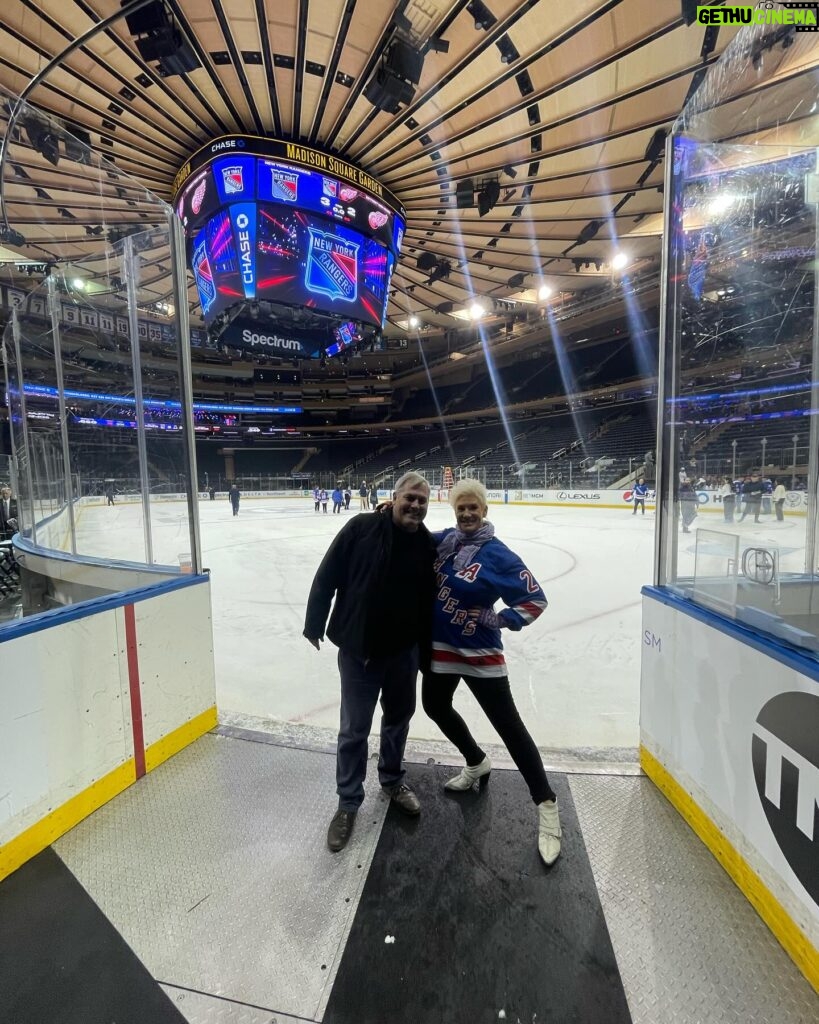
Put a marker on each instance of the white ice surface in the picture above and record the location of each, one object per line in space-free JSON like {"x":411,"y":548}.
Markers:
{"x":575,"y":672}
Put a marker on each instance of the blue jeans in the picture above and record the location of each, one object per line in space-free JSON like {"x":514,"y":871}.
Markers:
{"x":362,"y":680}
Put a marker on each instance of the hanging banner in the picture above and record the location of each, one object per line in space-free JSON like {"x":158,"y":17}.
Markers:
{"x":74,"y":315}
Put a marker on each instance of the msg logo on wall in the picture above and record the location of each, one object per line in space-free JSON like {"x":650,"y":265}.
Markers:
{"x":785,"y":756}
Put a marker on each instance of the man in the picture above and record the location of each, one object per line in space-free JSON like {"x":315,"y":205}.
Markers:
{"x":379,"y":567}
{"x":752,"y":492}
{"x":640,"y":492}
{"x":363,"y":494}
{"x":234,"y":495}
{"x":8,"y":514}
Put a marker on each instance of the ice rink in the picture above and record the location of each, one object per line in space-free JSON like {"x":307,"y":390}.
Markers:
{"x":575,"y":672}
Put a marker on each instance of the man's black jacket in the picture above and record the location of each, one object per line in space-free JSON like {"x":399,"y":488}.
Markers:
{"x":752,"y":491}
{"x":354,"y":569}
{"x":5,"y":529}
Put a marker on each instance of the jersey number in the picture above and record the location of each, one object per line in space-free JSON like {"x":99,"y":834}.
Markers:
{"x":531,"y":586}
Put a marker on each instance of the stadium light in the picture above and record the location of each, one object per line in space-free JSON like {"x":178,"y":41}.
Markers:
{"x":544,"y":292}
{"x":79,"y":284}
{"x":721,"y":203}
{"x":476,"y":311}
{"x":414,"y":322}
{"x":620,"y":261}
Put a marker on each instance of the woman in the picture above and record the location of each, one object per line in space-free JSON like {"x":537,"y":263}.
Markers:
{"x":474,"y":569}
{"x":728,"y":496}
{"x":688,"y":501}
{"x":779,"y":496}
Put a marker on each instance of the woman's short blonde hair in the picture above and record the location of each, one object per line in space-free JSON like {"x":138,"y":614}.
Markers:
{"x":470,"y":489}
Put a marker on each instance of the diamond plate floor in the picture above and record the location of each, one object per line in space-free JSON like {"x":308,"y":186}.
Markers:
{"x":214,"y":869}
{"x":198,"y":1008}
{"x":690,"y":948}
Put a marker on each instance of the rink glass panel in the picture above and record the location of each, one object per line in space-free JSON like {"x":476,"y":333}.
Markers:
{"x":738,"y":388}
{"x":107,"y":295}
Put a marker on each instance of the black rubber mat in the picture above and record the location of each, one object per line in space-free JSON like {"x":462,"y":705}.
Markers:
{"x":484,"y":932}
{"x":63,"y":962}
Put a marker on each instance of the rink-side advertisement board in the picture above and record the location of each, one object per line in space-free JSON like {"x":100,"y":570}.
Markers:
{"x":729,"y":729}
{"x":708,"y":500}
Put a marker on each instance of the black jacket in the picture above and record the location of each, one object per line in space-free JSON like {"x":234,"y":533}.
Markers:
{"x":6,"y":529}
{"x":752,"y":491}
{"x":354,"y":570}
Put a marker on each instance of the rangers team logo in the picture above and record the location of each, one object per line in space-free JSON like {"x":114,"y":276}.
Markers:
{"x":199,"y":195}
{"x":377,"y":219}
{"x":233,"y":179}
{"x":332,"y":266}
{"x":284,"y":185}
{"x":329,"y":187}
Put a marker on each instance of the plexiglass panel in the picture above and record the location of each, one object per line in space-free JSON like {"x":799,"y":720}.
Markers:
{"x":739,"y":398}
{"x":92,"y":353}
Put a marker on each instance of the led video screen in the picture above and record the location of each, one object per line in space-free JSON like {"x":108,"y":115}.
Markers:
{"x":268,"y":251}
{"x":243,"y":178}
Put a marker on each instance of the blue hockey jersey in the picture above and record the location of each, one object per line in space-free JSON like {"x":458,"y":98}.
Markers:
{"x":460,"y":643}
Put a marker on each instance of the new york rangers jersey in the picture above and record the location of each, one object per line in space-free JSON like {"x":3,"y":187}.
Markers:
{"x":461,"y":643}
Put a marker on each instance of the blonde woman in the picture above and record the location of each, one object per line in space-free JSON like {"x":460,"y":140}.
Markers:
{"x":474,"y":570}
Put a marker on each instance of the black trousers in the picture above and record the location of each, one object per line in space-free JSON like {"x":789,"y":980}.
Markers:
{"x":363,"y":681}
{"x":752,"y":507}
{"x":495,"y":698}
{"x":728,"y":503}
{"x":639,"y":501}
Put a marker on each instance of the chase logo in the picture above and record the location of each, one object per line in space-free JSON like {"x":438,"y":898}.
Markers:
{"x":785,"y":756}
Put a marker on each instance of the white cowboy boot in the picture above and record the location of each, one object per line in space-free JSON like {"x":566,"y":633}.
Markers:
{"x":548,"y":842}
{"x":467,"y":777}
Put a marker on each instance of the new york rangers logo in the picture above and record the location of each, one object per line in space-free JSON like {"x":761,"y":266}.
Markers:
{"x":329,"y":187}
{"x":233,"y":180}
{"x":284,"y":186}
{"x":332,"y":266}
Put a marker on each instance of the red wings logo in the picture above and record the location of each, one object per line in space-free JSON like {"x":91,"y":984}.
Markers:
{"x":198,"y":196}
{"x":377,"y":220}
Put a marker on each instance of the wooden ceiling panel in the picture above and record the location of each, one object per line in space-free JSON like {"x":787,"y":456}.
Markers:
{"x":597,"y":72}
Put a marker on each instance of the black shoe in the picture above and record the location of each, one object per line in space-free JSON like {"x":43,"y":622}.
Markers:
{"x":405,"y":800}
{"x":340,"y":830}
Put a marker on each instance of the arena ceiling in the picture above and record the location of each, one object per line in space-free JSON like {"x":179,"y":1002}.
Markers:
{"x":559,"y":103}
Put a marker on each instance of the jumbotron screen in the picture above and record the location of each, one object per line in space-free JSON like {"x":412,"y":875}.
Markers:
{"x":264,"y":228}
{"x":253,"y":251}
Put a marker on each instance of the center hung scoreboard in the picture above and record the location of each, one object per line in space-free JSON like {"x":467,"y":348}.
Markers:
{"x":272,"y":221}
